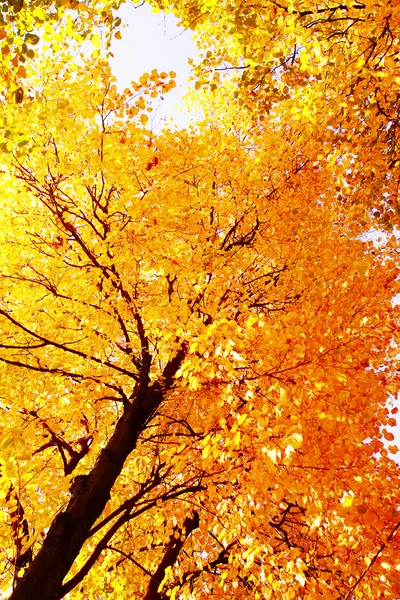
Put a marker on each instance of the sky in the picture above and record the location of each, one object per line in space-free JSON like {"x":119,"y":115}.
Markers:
{"x":153,"y":41}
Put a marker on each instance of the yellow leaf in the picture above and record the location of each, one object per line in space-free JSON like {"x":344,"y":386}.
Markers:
{"x":96,"y":40}
{"x":206,"y":451}
{"x":242,"y":418}
{"x":348,"y":501}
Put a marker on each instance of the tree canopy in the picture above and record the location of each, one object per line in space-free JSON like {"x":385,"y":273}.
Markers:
{"x":331,"y":68}
{"x":198,"y":352}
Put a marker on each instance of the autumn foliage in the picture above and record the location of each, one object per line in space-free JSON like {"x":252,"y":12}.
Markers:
{"x":198,"y":352}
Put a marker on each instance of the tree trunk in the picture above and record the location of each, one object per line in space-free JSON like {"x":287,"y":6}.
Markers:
{"x":71,"y":528}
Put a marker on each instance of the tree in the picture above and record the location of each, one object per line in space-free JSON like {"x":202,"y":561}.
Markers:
{"x":330,"y":70}
{"x":197,"y":350}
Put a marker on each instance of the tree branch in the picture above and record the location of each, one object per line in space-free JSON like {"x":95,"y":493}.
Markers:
{"x":171,"y":553}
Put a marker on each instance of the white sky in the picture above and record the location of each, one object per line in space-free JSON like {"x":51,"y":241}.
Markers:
{"x":153,"y":41}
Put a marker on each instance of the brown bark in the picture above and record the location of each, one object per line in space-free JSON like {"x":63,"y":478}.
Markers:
{"x":170,"y":556}
{"x":71,"y":528}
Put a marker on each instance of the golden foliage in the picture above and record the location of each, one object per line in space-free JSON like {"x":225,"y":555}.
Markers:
{"x":331,"y":70}
{"x":198,"y":340}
